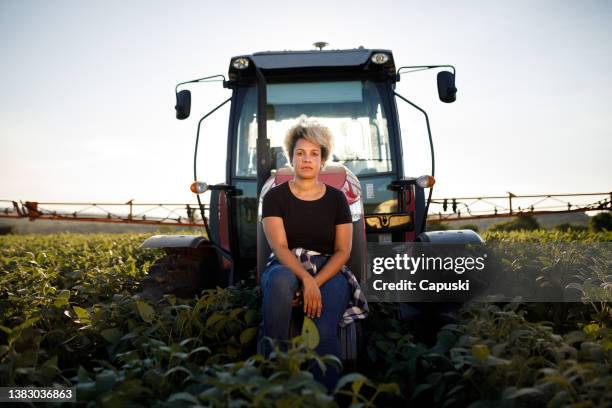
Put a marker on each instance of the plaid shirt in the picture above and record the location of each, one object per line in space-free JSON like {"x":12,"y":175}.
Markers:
{"x":358,"y":305}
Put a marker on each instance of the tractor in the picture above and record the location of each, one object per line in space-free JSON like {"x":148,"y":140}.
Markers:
{"x":352,"y":92}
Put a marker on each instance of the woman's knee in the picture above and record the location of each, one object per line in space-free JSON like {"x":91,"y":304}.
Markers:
{"x":280,"y":278}
{"x":338,"y":286}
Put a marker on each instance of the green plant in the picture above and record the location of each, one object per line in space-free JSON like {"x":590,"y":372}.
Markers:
{"x":472,"y":227}
{"x":601,"y":222}
{"x":437,"y":226}
{"x":523,"y":222}
{"x":566,"y":226}
{"x":69,"y":316}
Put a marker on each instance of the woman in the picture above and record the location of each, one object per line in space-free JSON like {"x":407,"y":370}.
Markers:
{"x":306,"y":213}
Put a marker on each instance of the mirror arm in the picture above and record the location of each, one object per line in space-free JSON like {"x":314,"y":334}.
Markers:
{"x":205,"y":79}
{"x":195,"y":160}
{"x":416,"y":68}
{"x":433,"y":159}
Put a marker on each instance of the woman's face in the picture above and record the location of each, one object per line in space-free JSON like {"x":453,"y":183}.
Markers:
{"x":306,"y":159}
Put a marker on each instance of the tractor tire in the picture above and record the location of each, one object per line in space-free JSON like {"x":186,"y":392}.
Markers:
{"x":183,"y":274}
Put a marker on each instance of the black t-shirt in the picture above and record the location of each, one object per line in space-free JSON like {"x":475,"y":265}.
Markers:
{"x":308,"y":224}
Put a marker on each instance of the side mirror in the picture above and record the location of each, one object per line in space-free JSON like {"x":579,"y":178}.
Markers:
{"x":446,"y":87}
{"x":183,"y":104}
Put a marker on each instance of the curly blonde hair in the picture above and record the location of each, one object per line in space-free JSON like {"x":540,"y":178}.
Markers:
{"x":312,"y":131}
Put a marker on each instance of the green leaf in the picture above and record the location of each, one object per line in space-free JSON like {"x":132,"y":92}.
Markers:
{"x":199,"y":350}
{"x":177,"y":369}
{"x":439,"y":391}
{"x":440,"y":361}
{"x":310,"y":333}
{"x":86,"y":391}
{"x":524,"y":392}
{"x":183,"y":396}
{"x":383,"y":345}
{"x":183,"y":343}
{"x":481,"y":351}
{"x":211,"y":394}
{"x":52,"y":362}
{"x":82,"y":314}
{"x":591,"y":329}
{"x":421,"y":388}
{"x":28,"y":323}
{"x":574,"y":285}
{"x":574,"y":337}
{"x":455,"y":390}
{"x":446,"y":340}
{"x":331,"y":360}
{"x":248,"y":335}
{"x":559,"y":399}
{"x":145,"y":310}
{"x":356,"y":386}
{"x":350,"y":379}
{"x":250,"y":317}
{"x":40,"y":257}
{"x":392,"y":388}
{"x":179,"y":355}
{"x":62,"y":299}
{"x":105,"y":380}
{"x":394,"y":335}
{"x":83,"y":375}
{"x":26,"y":358}
{"x":111,"y":335}
{"x":214,"y":318}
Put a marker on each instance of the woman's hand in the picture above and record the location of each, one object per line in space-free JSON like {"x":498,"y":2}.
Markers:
{"x":274,"y":229}
{"x":312,"y":298}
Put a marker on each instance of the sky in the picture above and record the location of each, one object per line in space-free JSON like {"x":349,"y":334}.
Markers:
{"x":87,"y":113}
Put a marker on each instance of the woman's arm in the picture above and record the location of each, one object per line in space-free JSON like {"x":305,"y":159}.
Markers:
{"x":342,"y":251}
{"x":277,"y":238}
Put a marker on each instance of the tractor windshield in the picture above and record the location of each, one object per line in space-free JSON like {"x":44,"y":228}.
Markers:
{"x":352,"y":110}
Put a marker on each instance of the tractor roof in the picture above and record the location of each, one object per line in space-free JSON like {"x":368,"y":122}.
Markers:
{"x":313,"y":65}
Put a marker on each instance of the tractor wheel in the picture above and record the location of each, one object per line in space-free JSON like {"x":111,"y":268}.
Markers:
{"x":183,"y":274}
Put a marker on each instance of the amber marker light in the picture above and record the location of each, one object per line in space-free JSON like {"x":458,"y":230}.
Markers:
{"x":426,"y":181}
{"x":198,"y":187}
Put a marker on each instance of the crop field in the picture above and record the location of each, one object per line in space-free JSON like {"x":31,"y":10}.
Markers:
{"x":70,"y":315}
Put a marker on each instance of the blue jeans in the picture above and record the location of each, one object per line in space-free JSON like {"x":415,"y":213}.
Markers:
{"x":279,"y":285}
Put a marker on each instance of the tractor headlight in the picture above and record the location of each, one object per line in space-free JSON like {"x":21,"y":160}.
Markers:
{"x":198,"y":187}
{"x":240,"y":63}
{"x":379,"y":58}
{"x":425,"y":181}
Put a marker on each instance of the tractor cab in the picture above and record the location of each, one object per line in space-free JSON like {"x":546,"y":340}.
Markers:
{"x":349,"y":91}
{"x":352,"y":92}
